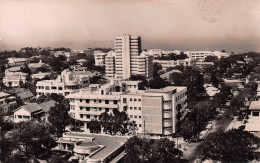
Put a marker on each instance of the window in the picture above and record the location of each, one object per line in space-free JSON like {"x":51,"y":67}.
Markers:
{"x":135,"y":108}
{"x":139,"y":99}
{"x":130,"y":99}
{"x":115,"y":102}
{"x":88,"y":116}
{"x":87,"y":101}
{"x":81,"y":108}
{"x":131,"y":116}
{"x":95,"y":100}
{"x":107,"y":109}
{"x":60,"y":88}
{"x":100,"y":101}
{"x":107,"y":102}
{"x":80,"y":100}
{"x":124,"y":100}
{"x":95,"y":116}
{"x":125,"y":108}
{"x":134,"y":99}
{"x":100,"y":109}
{"x":81,"y":115}
{"x":87,"y":109}
{"x":47,"y":88}
{"x":140,"y":117}
{"x":53,"y":87}
{"x":131,"y":108}
{"x":135,"y":116}
{"x":140,"y":125}
{"x":140,"y":108}
{"x":255,"y":114}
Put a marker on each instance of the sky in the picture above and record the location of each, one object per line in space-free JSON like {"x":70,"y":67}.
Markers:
{"x":232,"y":25}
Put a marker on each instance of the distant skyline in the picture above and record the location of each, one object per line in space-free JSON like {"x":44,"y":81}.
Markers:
{"x":232,"y":25}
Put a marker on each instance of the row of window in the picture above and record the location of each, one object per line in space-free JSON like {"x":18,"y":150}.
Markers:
{"x":180,"y":96}
{"x":98,"y":101}
{"x":135,"y":116}
{"x":48,"y":88}
{"x":94,"y":109}
{"x":135,"y":108}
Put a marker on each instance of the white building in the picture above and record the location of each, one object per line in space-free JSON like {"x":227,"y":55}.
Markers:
{"x":38,"y":65}
{"x":67,"y":82}
{"x":99,"y":58}
{"x":172,"y":63}
{"x":201,"y":55}
{"x":15,"y":79}
{"x":7,"y":102}
{"x":40,"y":75}
{"x":17,"y":62}
{"x":128,"y":60}
{"x":154,"y":111}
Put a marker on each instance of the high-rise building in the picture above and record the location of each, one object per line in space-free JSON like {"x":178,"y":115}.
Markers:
{"x":128,"y":60}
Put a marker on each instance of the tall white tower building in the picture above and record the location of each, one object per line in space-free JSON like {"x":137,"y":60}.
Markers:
{"x":128,"y":60}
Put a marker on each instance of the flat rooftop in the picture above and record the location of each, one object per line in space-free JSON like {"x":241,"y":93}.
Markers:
{"x":2,"y":94}
{"x":111,"y":143}
{"x":255,"y":105}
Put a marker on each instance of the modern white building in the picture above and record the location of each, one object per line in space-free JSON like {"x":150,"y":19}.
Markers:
{"x":99,"y":58}
{"x":14,"y":78}
{"x":7,"y":102}
{"x":172,"y":63}
{"x":154,"y":111}
{"x":17,"y":62}
{"x":67,"y":82}
{"x":128,"y":60}
{"x":201,"y":55}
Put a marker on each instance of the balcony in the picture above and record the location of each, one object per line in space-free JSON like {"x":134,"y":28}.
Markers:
{"x":167,"y":123}
{"x":167,"y":115}
{"x":167,"y":131}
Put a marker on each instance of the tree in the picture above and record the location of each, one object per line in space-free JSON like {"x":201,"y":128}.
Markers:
{"x":94,"y":126}
{"x":232,"y":146}
{"x":59,"y":117}
{"x":32,"y":136}
{"x":145,"y":150}
{"x":188,"y":129}
{"x":115,"y":122}
{"x":211,"y":58}
{"x":214,"y":80}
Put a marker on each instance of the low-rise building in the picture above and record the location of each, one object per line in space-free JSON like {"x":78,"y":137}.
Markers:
{"x":7,"y":102}
{"x":33,"y":111}
{"x":25,"y":96}
{"x":200,"y":64}
{"x":67,"y":82}
{"x":17,"y":62}
{"x":15,"y":79}
{"x":172,"y":63}
{"x":38,"y":65}
{"x":154,"y":111}
{"x":41,"y":75}
{"x":201,"y":55}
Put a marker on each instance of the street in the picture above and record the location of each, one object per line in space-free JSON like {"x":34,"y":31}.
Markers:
{"x":189,"y":152}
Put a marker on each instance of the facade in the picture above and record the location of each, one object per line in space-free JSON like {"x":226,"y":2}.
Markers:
{"x":128,"y":60}
{"x":17,"y":62}
{"x":201,"y":55}
{"x":171,"y":63}
{"x":67,"y":82}
{"x":15,"y":79}
{"x":168,"y":105}
{"x":7,"y":102}
{"x":200,"y":64}
{"x":110,"y":67}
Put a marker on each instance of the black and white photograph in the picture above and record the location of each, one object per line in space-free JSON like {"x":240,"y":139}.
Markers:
{"x":129,"y":81}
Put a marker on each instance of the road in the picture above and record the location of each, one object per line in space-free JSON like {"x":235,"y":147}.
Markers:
{"x":222,"y":124}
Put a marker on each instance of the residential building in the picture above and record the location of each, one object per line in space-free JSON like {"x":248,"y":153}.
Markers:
{"x":17,"y":62}
{"x":253,"y":120}
{"x":99,"y":58}
{"x":88,"y":51}
{"x":200,"y":64}
{"x":7,"y":102}
{"x":25,"y":95}
{"x":172,"y":63}
{"x":154,"y":111}
{"x":110,"y":67}
{"x":67,"y":82}
{"x":201,"y":55}
{"x":15,"y":79}
{"x":33,"y":111}
{"x":128,"y":60}
{"x":153,"y":52}
{"x":41,"y":75}
{"x":38,"y":65}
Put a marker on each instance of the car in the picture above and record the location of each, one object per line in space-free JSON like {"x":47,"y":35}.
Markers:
{"x":226,"y":116}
